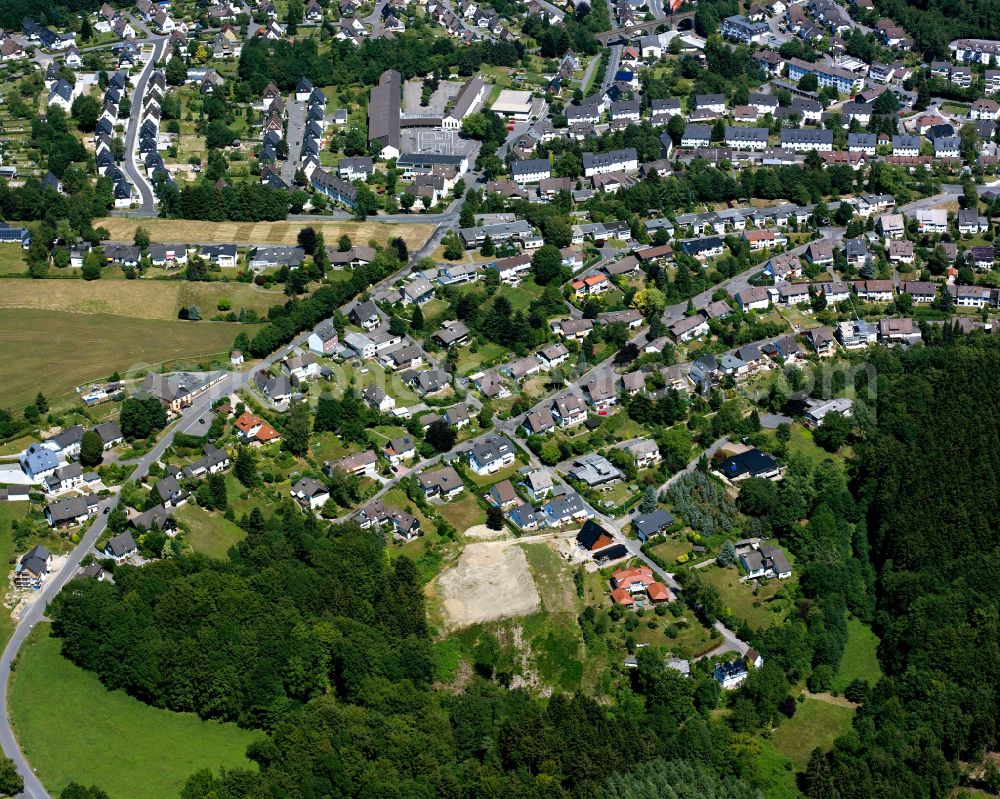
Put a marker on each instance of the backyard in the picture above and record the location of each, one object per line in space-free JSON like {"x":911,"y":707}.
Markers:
{"x":69,"y":724}
{"x":761,"y":605}
{"x":463,"y":513}
{"x":210,"y":534}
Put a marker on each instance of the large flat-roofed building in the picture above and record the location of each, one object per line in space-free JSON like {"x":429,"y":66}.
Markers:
{"x":383,"y":114}
{"x":514,"y":104}
{"x":842,"y":80}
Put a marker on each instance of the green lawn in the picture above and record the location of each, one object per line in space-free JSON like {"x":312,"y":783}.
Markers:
{"x":802,"y":443}
{"x":463,"y":512}
{"x":384,"y":432}
{"x":16,"y":445}
{"x":673,"y":548}
{"x":761,"y":610}
{"x":73,"y":729}
{"x":9,"y":512}
{"x":211,"y":533}
{"x":12,"y":260}
{"x":486,"y":481}
{"x":860,"y":660}
{"x":329,"y":447}
{"x":554,"y":634}
{"x":520,"y":296}
{"x":469,"y":361}
{"x":775,"y":773}
{"x":815,"y":724}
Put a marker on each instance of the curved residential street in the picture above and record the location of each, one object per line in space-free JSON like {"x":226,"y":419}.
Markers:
{"x":148,"y":201}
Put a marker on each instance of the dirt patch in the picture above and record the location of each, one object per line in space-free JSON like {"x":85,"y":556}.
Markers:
{"x":491,"y":581}
{"x":483,"y":533}
{"x":246,"y":234}
{"x":830,"y":699}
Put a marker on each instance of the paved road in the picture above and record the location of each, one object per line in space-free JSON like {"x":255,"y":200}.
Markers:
{"x":136,"y":175}
{"x":375,"y":18}
{"x":693,"y":464}
{"x":296,"y":130}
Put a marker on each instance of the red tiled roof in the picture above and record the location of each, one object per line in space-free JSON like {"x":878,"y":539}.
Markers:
{"x":621,"y":597}
{"x":658,"y":592}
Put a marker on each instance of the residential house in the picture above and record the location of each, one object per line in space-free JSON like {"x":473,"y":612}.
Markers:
{"x":301,"y":366}
{"x":71,"y":511}
{"x":751,"y":463}
{"x":310,"y":493}
{"x":756,"y":298}
{"x":569,"y":410}
{"x":377,"y":399}
{"x":856,"y":334}
{"x":689,"y":328}
{"x":324,"y":340}
{"x":443,"y":483}
{"x":538,"y":484}
{"x":503,"y":495}
{"x":821,"y":340}
{"x":539,"y":422}
{"x":33,"y":568}
{"x":766,"y":561}
{"x":594,"y":470}
{"x":920,"y":291}
{"x":121,"y":547}
{"x":38,"y":462}
{"x":898,"y":331}
{"x":874,"y":290}
{"x":401,"y":449}
{"x":365,"y":315}
{"x":491,"y":454}
{"x":64,"y":478}
{"x":278,"y":388}
{"x":552,"y":355}
{"x":646,"y":525}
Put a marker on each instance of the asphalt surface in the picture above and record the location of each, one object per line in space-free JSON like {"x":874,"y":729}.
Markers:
{"x":136,"y":175}
{"x":296,"y":129}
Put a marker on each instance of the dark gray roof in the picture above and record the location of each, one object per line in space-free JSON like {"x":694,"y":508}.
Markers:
{"x":122,"y":544}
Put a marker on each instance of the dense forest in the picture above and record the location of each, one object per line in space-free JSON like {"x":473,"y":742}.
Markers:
{"x":931,"y":483}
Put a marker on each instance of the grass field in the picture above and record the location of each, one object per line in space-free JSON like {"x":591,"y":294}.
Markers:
{"x":814,"y":724}
{"x":556,"y":640}
{"x":463,"y":513}
{"x":53,"y":351}
{"x":12,"y":260}
{"x":73,"y":729}
{"x":210,"y":534}
{"x":759,"y":610}
{"x":860,"y":660}
{"x":775,"y":774}
{"x":188,"y":231}
{"x":802,"y":443}
{"x":9,"y":512}
{"x":141,"y":299}
{"x":672,"y":549}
